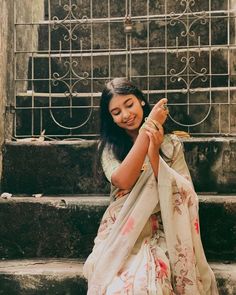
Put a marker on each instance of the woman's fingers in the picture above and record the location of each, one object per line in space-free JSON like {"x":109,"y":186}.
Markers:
{"x":160,"y":111}
{"x":161,"y":102}
{"x":156,"y":136}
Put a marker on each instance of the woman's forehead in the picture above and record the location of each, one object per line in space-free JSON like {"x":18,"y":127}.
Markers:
{"x":119,"y":100}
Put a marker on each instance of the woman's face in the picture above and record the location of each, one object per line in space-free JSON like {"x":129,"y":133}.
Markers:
{"x":126,"y":111}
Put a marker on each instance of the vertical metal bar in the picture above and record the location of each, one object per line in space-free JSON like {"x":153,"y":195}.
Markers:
{"x":166,"y":52}
{"x":71,"y":62}
{"x":188,"y":68}
{"x":41,"y":119}
{"x":130,"y":43}
{"x":109,"y":39}
{"x":49,"y":55}
{"x":210,"y":57}
{"x":219,"y":118}
{"x":91,"y":58}
{"x":126,"y":42}
{"x":229,"y":64}
{"x":14,"y":74}
{"x":32,"y":72}
{"x":148,"y":48}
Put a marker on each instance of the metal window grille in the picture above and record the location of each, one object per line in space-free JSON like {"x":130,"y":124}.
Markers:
{"x":66,"y":50}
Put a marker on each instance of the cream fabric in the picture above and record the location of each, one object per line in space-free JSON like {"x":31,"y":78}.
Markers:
{"x":135,"y":254}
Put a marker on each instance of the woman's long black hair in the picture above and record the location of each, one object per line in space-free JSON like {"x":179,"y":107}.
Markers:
{"x":112,"y":135}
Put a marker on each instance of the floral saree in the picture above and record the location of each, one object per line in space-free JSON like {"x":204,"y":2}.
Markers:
{"x":149,"y":240}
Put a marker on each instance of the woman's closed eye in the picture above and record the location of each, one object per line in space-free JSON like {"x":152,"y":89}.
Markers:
{"x":116,"y":113}
{"x":130,"y":105}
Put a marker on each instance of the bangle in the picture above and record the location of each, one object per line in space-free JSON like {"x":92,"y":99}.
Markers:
{"x":146,"y":121}
{"x":142,"y":127}
{"x":154,"y":122}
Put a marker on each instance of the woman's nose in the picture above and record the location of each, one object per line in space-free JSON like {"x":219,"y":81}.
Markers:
{"x":125,"y":114}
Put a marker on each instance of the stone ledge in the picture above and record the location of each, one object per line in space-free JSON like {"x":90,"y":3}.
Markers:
{"x":51,"y":167}
{"x":55,"y":276}
{"x":66,"y":167}
{"x":66,"y":226}
{"x":40,"y":277}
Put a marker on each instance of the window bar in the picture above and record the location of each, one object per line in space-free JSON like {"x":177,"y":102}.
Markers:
{"x":229,"y":65}
{"x":32,"y":92}
{"x":109,"y":40}
{"x":210,"y":57}
{"x":71,"y":90}
{"x":188,"y":28}
{"x":15,"y":82}
{"x":130,"y":43}
{"x":49,"y":55}
{"x":166,"y":53}
{"x":188,"y":65}
{"x":126,"y":41}
{"x":91,"y":69}
{"x":148,"y":55}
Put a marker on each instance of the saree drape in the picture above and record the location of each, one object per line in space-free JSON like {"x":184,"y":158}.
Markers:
{"x":134,"y":254}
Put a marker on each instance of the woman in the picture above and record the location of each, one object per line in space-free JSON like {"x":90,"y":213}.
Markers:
{"x":148,"y":241}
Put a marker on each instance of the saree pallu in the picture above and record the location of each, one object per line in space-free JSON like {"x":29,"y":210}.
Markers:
{"x":135,"y":254}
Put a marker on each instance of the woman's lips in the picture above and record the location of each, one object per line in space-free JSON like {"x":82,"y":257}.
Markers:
{"x":130,"y":121}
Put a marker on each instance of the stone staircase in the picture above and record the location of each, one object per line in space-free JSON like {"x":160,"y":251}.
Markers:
{"x":44,"y":240}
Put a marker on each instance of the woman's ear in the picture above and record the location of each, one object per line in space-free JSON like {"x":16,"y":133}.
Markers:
{"x":142,"y":103}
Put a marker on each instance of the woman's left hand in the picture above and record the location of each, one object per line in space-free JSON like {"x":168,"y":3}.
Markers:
{"x":156,"y":137}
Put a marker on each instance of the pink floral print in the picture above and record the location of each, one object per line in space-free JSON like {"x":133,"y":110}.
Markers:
{"x":129,"y":225}
{"x":196,"y":224}
{"x":163,"y":269}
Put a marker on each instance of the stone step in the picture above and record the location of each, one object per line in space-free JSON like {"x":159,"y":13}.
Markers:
{"x":42,"y":277}
{"x":64,"y":276}
{"x":65,"y":226}
{"x":66,"y":167}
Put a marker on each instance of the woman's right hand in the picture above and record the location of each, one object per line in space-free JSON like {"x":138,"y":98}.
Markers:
{"x":158,"y":112}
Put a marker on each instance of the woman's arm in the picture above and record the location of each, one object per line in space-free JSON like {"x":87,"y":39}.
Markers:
{"x":125,"y":176}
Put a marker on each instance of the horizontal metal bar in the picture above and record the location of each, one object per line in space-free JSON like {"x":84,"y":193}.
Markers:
{"x":86,"y":20}
{"x":97,"y":106}
{"x":96,"y":135}
{"x":134,"y":76}
{"x":44,"y":94}
{"x":56,"y":107}
{"x":115,"y":52}
{"x":98,"y":94}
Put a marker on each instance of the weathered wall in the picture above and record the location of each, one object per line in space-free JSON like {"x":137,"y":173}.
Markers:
{"x":27,"y":36}
{"x":7,"y":83}
{"x":3,"y":69}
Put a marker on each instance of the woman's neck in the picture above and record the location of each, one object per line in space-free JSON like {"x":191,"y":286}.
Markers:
{"x":133,"y":134}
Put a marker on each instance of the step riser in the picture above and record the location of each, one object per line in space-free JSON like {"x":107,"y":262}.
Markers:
{"x":67,"y":168}
{"x":67,"y":278}
{"x":47,"y":229}
{"x":51,"y":228}
{"x":51,"y":168}
{"x":41,"y":285}
{"x":28,"y":285}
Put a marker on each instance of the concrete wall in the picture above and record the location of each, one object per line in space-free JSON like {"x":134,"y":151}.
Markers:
{"x":7,"y":57}
{"x":26,"y":36}
{"x":4,"y":24}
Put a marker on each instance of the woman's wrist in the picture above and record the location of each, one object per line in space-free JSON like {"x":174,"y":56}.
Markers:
{"x":147,"y":121}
